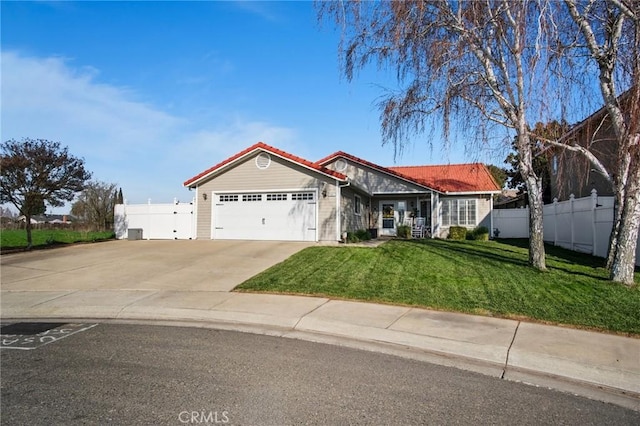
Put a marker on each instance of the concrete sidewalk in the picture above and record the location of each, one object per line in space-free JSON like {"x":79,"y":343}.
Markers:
{"x":596,"y":365}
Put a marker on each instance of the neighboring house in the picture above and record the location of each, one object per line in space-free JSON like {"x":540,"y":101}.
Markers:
{"x":50,"y":218}
{"x":511,"y":199}
{"x":263,"y":193}
{"x":571,"y":172}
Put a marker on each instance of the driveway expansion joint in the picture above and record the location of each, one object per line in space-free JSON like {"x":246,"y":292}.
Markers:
{"x":295,"y":327}
{"x":506,"y":362}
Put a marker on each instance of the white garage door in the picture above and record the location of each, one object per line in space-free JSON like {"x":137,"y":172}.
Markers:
{"x":286,"y":216}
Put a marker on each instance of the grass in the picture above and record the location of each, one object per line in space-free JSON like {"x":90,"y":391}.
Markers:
{"x":11,"y":239}
{"x":487,"y":278}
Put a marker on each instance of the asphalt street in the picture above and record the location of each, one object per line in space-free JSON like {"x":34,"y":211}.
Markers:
{"x":141,"y":374}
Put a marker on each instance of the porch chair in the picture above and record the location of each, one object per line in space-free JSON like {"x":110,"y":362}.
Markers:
{"x":418,"y":229}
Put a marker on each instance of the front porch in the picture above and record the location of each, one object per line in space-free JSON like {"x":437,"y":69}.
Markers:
{"x":387,"y":212}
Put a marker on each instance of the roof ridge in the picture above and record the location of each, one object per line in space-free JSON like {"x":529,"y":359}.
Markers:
{"x":261,"y":145}
{"x":440,"y":165}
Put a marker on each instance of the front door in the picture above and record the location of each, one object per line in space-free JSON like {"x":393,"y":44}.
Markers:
{"x":425,"y":211}
{"x":389,"y":213}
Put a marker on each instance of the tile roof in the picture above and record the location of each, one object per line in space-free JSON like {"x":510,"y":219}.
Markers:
{"x":471,"y":177}
{"x":264,"y":147}
{"x":387,"y":170}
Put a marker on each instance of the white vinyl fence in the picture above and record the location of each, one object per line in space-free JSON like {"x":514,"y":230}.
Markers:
{"x":579,"y":224}
{"x":172,"y":221}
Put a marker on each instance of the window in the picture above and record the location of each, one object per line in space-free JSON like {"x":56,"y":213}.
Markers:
{"x":276,"y":197}
{"x":263,"y":160}
{"x":357,"y":205}
{"x":228,"y":198}
{"x":252,"y":197}
{"x":302,"y":196}
{"x":459,"y":212}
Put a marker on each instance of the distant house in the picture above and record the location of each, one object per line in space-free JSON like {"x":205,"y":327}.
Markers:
{"x":263,"y":193}
{"x":51,"y":218}
{"x":511,"y":199}
{"x":571,"y":172}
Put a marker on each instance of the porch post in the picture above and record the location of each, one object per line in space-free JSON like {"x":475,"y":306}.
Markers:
{"x":491,"y":229}
{"x":435,"y":219}
{"x":338,"y":213}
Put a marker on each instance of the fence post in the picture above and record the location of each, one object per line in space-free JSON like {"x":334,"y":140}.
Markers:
{"x":594,"y":206}
{"x":555,"y":221}
{"x":149,"y":218}
{"x":571,"y":200}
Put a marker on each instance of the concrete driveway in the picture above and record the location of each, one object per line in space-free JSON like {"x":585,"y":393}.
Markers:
{"x":186,"y":265}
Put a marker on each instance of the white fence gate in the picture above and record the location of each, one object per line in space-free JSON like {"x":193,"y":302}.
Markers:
{"x":579,"y":224}
{"x":174,"y":221}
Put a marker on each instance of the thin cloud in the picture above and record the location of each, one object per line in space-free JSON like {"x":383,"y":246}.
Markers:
{"x":263,"y":9}
{"x":123,"y":139}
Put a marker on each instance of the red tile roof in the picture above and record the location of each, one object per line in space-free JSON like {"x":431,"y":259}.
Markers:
{"x":387,"y":170}
{"x":472,"y":177}
{"x":264,"y":147}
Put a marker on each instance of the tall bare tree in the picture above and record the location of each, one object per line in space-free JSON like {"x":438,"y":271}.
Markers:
{"x":475,"y":61}
{"x":95,"y":204}
{"x":35,"y":172}
{"x":611,"y":34}
{"x":598,"y":44}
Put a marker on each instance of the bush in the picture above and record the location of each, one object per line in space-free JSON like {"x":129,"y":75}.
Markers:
{"x":481,"y":233}
{"x":457,"y":233}
{"x":357,"y":236}
{"x":404,"y":231}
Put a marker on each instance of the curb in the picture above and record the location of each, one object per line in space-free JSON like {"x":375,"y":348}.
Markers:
{"x":621,"y":397}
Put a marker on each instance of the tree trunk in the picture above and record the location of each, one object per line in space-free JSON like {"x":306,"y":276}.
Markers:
{"x":536,"y":220}
{"x":27,"y":224}
{"x":623,"y":266}
{"x":536,"y":205}
{"x":534,"y":195}
{"x":615,"y":231}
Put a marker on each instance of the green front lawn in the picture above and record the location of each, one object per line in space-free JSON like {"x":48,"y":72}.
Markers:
{"x":17,"y":238}
{"x":486,"y":278}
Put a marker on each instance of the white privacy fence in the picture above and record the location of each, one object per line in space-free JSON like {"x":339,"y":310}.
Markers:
{"x":171,"y":221}
{"x":579,"y":224}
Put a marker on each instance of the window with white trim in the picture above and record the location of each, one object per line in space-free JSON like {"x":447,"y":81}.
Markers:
{"x":228,"y":198}
{"x":302,"y":196}
{"x":252,"y":197}
{"x":357,"y":205}
{"x":276,"y":197}
{"x":459,"y":212}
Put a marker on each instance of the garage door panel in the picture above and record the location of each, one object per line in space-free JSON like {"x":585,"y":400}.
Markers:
{"x":271,"y":216}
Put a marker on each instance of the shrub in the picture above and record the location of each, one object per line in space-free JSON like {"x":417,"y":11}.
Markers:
{"x":457,"y":233}
{"x":481,"y":233}
{"x":357,"y":236}
{"x":363,"y":235}
{"x":404,"y":231}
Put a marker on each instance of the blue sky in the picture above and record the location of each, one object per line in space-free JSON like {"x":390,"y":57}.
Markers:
{"x":152,"y":93}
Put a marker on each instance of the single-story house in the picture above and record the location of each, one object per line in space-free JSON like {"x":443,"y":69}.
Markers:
{"x":264,"y":193}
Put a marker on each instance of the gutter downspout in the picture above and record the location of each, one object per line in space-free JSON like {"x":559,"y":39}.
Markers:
{"x":338,"y":209}
{"x":491,"y":231}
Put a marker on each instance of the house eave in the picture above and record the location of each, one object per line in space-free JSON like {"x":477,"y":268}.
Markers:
{"x":195,"y":182}
{"x":472,"y":192}
{"x":376,"y":168}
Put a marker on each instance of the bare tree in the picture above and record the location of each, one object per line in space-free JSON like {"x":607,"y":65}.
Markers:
{"x":478,"y":62}
{"x":598,"y":43}
{"x":35,"y":172}
{"x":95,"y":204}
{"x":611,"y":34}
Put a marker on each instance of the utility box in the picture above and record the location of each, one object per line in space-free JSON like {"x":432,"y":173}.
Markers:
{"x":134,"y":234}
